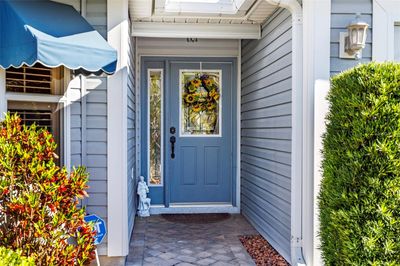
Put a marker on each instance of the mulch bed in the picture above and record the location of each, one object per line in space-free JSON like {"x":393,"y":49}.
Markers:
{"x":262,"y":252}
{"x":196,"y":218}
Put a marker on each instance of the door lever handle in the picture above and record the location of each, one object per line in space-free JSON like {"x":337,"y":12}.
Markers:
{"x":172,"y":139}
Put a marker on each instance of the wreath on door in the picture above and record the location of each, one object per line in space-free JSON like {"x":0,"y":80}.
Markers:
{"x":201,"y":96}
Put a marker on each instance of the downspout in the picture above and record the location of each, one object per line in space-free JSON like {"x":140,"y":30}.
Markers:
{"x":296,"y":10}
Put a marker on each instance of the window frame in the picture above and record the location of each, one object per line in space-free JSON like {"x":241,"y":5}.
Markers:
{"x":386,"y":14}
{"x":60,"y":86}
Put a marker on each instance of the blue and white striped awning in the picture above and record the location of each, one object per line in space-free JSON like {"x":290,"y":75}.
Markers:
{"x":52,"y":34}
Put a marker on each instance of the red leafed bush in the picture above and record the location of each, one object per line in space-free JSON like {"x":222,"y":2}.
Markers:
{"x":39,"y":212}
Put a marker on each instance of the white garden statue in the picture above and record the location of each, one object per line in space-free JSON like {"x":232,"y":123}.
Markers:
{"x":144,"y":201}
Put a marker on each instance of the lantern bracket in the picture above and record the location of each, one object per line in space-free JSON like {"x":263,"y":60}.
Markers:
{"x":344,"y":51}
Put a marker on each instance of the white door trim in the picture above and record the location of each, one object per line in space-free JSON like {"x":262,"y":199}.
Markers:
{"x":238,"y":126}
{"x":235,"y":208}
{"x":385,"y":14}
{"x":196,"y":208}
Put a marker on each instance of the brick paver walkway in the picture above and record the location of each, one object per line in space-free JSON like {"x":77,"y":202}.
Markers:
{"x":156,"y":241}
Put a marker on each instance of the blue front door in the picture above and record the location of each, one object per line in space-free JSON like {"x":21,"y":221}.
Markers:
{"x":199,"y":132}
{"x":188,"y":132}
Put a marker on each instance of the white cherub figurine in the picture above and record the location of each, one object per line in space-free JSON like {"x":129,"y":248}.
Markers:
{"x":144,"y":201}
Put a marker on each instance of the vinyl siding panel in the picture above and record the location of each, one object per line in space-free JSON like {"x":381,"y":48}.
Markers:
{"x":131,"y":141}
{"x":89,"y":122}
{"x":95,"y":149}
{"x":266,"y":131}
{"x":76,"y":125}
{"x":342,"y":13}
{"x":96,"y":124}
{"x":96,"y":15}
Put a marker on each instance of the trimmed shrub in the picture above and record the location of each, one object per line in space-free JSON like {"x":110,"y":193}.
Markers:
{"x":38,"y":199}
{"x":360,"y":191}
{"x":14,"y":258}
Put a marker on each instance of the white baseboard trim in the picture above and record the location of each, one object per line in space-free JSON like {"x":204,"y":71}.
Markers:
{"x":193,"y":209}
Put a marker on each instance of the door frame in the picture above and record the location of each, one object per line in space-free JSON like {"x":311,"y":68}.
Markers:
{"x":206,"y":208}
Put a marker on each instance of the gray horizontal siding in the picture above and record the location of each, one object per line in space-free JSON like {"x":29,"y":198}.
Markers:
{"x":95,"y":150}
{"x":96,"y":124}
{"x":342,"y":13}
{"x":131,"y":144}
{"x":96,"y":15}
{"x":89,"y":143}
{"x":89,"y":123}
{"x":266,"y":131}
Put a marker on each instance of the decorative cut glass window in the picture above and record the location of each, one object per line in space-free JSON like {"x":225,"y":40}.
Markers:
{"x":200,"y":112}
{"x":155,"y":90}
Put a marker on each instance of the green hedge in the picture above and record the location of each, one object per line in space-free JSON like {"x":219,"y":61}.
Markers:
{"x":13,"y":258}
{"x":360,"y":192}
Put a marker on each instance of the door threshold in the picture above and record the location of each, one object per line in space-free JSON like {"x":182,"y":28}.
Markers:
{"x":194,"y":209}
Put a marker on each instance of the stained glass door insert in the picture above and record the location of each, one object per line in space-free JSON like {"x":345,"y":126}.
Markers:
{"x":155,"y":126}
{"x":200,"y":111}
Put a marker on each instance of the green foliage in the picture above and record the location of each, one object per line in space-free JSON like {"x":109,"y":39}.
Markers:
{"x":14,"y":258}
{"x":360,"y":193}
{"x":38,"y":211}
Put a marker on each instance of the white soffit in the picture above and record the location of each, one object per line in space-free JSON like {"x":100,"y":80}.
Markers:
{"x":249,"y":12}
{"x":151,"y":19}
{"x":196,"y":30}
{"x":140,"y":8}
{"x":231,"y":7}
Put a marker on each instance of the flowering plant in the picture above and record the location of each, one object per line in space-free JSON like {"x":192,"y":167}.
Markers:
{"x":201,"y":93}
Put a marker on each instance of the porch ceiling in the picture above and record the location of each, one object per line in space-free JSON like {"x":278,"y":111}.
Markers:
{"x":147,"y":14}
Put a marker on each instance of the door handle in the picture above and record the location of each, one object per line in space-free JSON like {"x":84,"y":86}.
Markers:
{"x":172,"y":139}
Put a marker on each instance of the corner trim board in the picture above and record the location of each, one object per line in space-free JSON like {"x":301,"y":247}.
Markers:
{"x":316,"y":71}
{"x":117,"y":133}
{"x":385,"y":14}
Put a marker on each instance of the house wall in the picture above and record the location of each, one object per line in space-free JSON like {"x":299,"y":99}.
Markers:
{"x":343,"y":12}
{"x":266,"y":131}
{"x":131,"y":134}
{"x":89,"y":121}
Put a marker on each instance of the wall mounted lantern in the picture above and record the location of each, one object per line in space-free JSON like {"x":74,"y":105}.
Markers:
{"x":353,"y":41}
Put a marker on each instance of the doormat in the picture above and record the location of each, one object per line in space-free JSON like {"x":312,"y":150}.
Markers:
{"x":196,"y":218}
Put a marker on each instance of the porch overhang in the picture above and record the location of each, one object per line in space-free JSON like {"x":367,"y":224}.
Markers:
{"x":196,"y":30}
